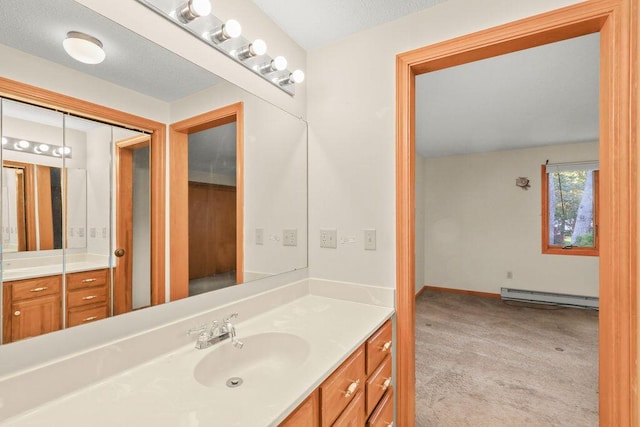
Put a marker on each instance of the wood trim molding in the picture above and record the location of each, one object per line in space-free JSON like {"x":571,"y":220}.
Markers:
{"x":179,"y":187}
{"x":617,"y":22}
{"x":34,"y":95}
{"x":458,"y":291}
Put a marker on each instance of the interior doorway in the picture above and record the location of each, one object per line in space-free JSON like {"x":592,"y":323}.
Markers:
{"x":618,"y":138}
{"x":207,"y":202}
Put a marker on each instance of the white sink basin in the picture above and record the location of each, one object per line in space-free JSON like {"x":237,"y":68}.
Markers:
{"x":264,"y":356}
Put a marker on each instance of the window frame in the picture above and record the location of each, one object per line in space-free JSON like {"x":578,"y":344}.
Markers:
{"x":559,"y":250}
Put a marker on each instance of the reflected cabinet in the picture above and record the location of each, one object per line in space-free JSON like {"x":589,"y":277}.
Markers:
{"x":59,"y":212}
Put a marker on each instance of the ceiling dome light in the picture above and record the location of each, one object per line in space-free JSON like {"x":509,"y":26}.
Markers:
{"x":193,"y":9}
{"x":84,"y":48}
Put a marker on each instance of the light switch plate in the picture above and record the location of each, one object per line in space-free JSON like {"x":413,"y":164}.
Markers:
{"x":329,"y":239}
{"x":289,"y":237}
{"x":370,"y":240}
{"x":259,"y":236}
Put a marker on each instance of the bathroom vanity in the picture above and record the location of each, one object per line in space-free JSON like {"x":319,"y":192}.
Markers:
{"x":321,"y":358}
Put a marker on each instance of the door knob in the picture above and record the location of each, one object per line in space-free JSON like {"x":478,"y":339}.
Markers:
{"x":119,"y":252}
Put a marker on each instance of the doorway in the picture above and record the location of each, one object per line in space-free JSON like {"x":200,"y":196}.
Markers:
{"x":207,"y":202}
{"x":618,"y":137}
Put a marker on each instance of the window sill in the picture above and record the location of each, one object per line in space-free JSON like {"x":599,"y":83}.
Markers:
{"x":556,"y":250}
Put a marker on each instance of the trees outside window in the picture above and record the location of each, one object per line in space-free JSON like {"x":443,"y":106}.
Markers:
{"x":570,"y":209}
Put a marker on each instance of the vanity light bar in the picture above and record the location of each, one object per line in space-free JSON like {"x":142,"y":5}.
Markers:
{"x":33,"y":147}
{"x":225,"y":36}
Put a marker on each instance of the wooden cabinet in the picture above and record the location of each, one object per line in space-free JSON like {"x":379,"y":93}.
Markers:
{"x":307,"y":414}
{"x":31,"y":307}
{"x":87,"y":296}
{"x":357,"y":394}
{"x":34,"y":306}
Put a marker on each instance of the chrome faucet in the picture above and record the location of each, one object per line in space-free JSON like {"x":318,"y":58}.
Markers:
{"x":210,"y":334}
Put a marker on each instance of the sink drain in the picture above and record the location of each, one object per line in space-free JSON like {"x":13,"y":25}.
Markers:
{"x":234,"y":382}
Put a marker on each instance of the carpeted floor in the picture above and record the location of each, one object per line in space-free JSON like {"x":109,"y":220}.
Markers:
{"x":482,"y":362}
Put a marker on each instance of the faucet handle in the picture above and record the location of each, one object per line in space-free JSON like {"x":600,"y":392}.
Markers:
{"x":206,"y":328}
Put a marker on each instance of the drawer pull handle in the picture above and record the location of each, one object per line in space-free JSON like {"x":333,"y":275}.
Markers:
{"x":88,"y":297}
{"x":352,"y":388}
{"x":89,"y":280}
{"x":17,"y":313}
{"x":385,"y":385}
{"x":90,"y":318}
{"x":40,"y":289}
{"x":386,"y":346}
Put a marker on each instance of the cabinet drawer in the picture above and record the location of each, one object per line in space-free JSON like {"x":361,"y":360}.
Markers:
{"x":353,"y":415}
{"x":80,"y":317}
{"x":334,"y":392}
{"x":378,"y":346}
{"x":86,"y":296}
{"x":33,"y":288}
{"x":84,"y":279}
{"x":383,"y":415}
{"x":377,"y":384}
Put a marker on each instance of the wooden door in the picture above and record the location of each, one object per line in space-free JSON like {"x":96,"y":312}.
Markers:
{"x":212,"y":229}
{"x":123,"y":275}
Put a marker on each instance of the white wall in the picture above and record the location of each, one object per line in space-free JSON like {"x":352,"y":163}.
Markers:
{"x":478,"y":225}
{"x":351,"y":90}
{"x":99,"y":190}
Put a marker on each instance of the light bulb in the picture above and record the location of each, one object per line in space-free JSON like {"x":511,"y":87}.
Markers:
{"x":258,"y":47}
{"x":229,"y":30}
{"x":23,"y":144}
{"x":297,"y":76}
{"x":278,"y":63}
{"x":193,"y":9}
{"x":43,"y":147}
{"x":5,"y":141}
{"x":65,"y":150}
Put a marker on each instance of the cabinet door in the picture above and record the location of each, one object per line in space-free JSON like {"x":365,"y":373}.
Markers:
{"x":35,"y":317}
{"x":353,"y":415}
{"x":307,"y":414}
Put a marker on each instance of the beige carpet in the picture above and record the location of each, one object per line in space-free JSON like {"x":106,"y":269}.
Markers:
{"x":481,"y":362}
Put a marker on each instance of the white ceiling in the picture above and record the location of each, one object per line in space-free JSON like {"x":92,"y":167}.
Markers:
{"x":214,"y":150}
{"x":541,"y":96}
{"x":315,"y":23}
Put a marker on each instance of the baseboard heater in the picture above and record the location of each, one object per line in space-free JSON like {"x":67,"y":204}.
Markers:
{"x":548,"y":298}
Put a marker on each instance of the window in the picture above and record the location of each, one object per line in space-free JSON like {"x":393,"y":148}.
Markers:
{"x":570,"y":208}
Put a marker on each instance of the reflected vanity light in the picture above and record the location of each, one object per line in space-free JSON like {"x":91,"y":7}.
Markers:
{"x":193,"y":9}
{"x":229,"y":30}
{"x":195,"y":17}
{"x":84,"y":48}
{"x":31,"y":147}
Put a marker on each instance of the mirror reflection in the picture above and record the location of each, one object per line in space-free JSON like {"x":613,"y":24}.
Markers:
{"x":79,"y":226}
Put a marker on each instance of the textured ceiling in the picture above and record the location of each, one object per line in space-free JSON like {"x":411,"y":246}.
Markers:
{"x":213,"y":151}
{"x":542,"y":96}
{"x":38,"y":27}
{"x":314,"y":23}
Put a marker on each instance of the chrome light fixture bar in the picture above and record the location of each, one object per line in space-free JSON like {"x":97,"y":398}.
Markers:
{"x":32,"y":147}
{"x":196,"y":17}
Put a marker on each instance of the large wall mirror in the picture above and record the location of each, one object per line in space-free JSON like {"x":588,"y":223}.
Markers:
{"x":77,"y":220}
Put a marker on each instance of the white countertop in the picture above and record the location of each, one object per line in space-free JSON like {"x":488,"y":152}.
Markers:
{"x":28,"y":268}
{"x":164,"y":392}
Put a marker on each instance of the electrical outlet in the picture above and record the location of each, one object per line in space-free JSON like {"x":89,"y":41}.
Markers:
{"x":370,"y":240}
{"x":92,"y":232}
{"x":81,"y":232}
{"x":259,"y":236}
{"x":290,"y":238}
{"x":104,"y":232}
{"x":329,"y":239}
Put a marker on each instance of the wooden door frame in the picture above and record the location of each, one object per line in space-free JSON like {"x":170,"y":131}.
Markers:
{"x":19,"y":91}
{"x":617,"y":22}
{"x":123,"y":270}
{"x":179,"y":188}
